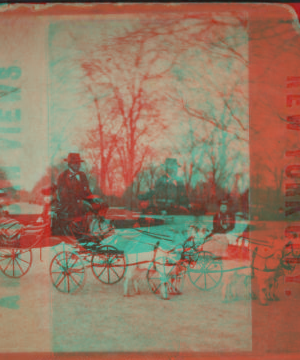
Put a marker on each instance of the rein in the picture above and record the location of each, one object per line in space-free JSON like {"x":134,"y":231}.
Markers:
{"x":160,"y":237}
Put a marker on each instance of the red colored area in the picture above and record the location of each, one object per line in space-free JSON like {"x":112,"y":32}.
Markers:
{"x":296,"y":7}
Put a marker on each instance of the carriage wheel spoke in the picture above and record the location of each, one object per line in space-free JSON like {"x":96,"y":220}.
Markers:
{"x":198,"y":277}
{"x":102,"y":272}
{"x":23,"y":272}
{"x":108,"y":274}
{"x":112,"y":257}
{"x":170,"y":271}
{"x":67,"y":277}
{"x":100,"y":264}
{"x":157,"y":288}
{"x":59,"y":263}
{"x":64,"y":253}
{"x":74,"y":280}
{"x":62,"y":276}
{"x":77,"y":271}
{"x":8,"y":264}
{"x":207,"y":265}
{"x":27,"y":262}
{"x":77,"y":258}
{"x":115,"y":272}
{"x":67,"y":258}
{"x":205,"y":280}
{"x":212,"y":278}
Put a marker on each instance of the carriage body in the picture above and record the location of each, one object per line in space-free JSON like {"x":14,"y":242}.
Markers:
{"x":80,"y":249}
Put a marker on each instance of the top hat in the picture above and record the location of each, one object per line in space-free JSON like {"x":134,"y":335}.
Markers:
{"x":171,"y":162}
{"x":73,"y":158}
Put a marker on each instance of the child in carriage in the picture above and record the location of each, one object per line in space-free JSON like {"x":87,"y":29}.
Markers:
{"x":11,"y":229}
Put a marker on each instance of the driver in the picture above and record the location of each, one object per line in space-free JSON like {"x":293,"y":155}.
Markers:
{"x":73,"y":188}
{"x":224,"y":223}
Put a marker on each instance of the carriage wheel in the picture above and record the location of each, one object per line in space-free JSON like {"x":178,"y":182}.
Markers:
{"x":67,"y":272}
{"x":108,"y":265}
{"x":165,"y":279}
{"x":207,"y":273}
{"x":15,"y":263}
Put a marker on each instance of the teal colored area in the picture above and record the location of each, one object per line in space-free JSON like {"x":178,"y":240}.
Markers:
{"x":13,"y":172}
{"x":12,"y":72}
{"x":14,"y":130}
{"x":6,"y":144}
{"x":9,"y":116}
{"x":10,"y":302}
{"x":9,"y":93}
{"x":15,"y":209}
{"x":178,"y":73}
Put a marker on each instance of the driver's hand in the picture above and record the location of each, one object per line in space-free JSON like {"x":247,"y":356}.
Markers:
{"x":40,"y":220}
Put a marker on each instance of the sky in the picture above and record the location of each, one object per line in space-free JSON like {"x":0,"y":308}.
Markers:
{"x":57,"y":112}
{"x":199,"y":77}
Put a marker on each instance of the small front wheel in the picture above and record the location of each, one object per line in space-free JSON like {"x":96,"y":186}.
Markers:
{"x":108,"y":265}
{"x":15,"y":263}
{"x":206,"y":274}
{"x":67,"y":272}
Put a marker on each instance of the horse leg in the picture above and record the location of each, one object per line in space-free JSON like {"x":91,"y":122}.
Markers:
{"x":136,"y":280}
{"x":226,"y":289}
{"x":247,"y":283}
{"x":262,"y":289}
{"x":275,"y":287}
{"x":224,"y":292}
{"x":164,"y":291}
{"x":128,"y":278}
{"x":136,"y":286}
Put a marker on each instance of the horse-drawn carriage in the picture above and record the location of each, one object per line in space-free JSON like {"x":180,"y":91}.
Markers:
{"x":85,"y":242}
{"x":79,"y":248}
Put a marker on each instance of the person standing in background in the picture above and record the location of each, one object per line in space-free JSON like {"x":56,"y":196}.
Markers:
{"x":169,"y":189}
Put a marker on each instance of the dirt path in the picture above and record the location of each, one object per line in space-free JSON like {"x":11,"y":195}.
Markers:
{"x":99,"y":318}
